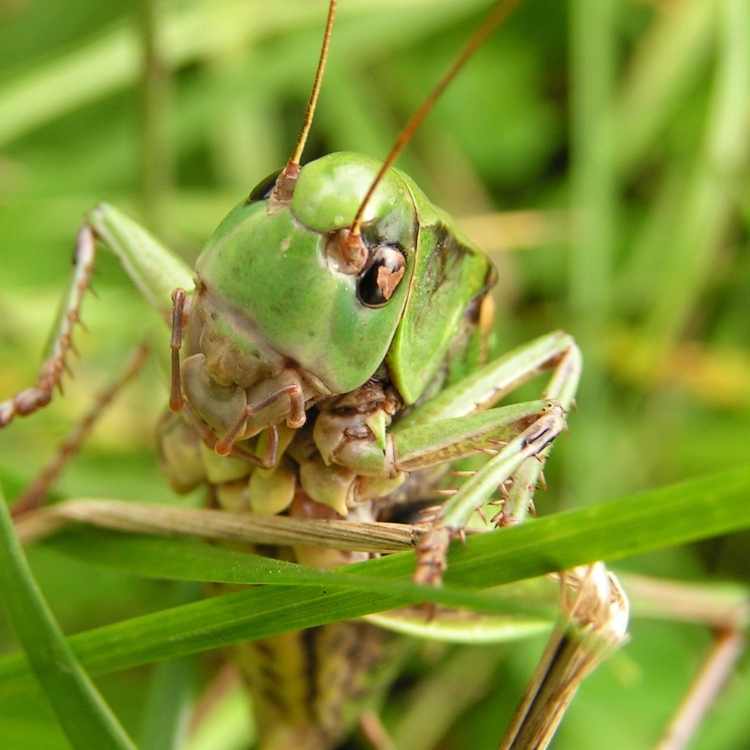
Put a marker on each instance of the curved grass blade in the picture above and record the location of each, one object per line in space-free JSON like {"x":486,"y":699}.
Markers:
{"x":457,"y":627}
{"x":84,"y":716}
{"x":110,"y":61}
{"x":676,"y":514}
{"x":176,"y":559}
{"x":666,"y":66}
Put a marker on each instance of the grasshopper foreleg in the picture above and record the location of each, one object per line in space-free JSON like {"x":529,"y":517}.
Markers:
{"x":55,"y":365}
{"x":455,"y":514}
{"x":521,"y":458}
{"x":152,"y":268}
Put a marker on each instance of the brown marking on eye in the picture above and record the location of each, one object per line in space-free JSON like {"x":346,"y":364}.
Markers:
{"x":379,"y":282}
{"x":388,"y":280}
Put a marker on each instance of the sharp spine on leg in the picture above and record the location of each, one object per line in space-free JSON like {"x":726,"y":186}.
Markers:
{"x":50,"y":374}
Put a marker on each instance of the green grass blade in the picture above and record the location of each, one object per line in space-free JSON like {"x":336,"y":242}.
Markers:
{"x":82,"y":713}
{"x":711,"y":201}
{"x":594,"y":198}
{"x":665,"y":67}
{"x":168,"y":706}
{"x":675,"y":514}
{"x":171,"y":693}
{"x":156,"y":557}
{"x":192,"y":33}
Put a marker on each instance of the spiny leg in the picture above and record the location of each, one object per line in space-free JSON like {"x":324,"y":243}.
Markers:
{"x":152,"y":268}
{"x":452,"y":425}
{"x":530,"y":474}
{"x":455,"y":514}
{"x":458,"y":421}
{"x":521,"y":460}
{"x":35,"y":493}
{"x":52,"y":370}
{"x":596,"y":619}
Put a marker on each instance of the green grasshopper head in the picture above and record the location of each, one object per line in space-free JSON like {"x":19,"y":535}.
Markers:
{"x":274,"y":293}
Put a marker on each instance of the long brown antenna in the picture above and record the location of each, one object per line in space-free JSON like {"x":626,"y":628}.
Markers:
{"x":285,"y":181}
{"x":496,"y":16}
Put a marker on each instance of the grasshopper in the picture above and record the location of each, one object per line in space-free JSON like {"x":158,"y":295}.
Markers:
{"x":328,"y":362}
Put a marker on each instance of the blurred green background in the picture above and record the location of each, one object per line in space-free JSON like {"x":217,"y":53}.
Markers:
{"x":598,"y":149}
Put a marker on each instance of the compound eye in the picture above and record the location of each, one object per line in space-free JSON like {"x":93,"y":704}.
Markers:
{"x":263,"y":189}
{"x":381,"y":278}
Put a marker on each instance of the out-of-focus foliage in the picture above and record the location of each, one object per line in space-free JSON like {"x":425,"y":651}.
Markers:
{"x":599,"y":150}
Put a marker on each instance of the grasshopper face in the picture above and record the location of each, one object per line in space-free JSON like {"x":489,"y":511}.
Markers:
{"x":275,"y":296}
{"x":275,"y":301}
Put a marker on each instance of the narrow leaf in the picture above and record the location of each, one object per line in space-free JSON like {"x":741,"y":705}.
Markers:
{"x":149,"y":518}
{"x":84,"y":716}
{"x":175,"y":559}
{"x":676,"y":514}
{"x":171,"y":693}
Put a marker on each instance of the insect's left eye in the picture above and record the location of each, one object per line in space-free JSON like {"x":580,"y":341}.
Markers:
{"x":263,"y":189}
{"x":382,"y":277}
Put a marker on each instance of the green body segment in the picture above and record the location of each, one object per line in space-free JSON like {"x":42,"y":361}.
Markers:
{"x":281,"y":289}
{"x":449,"y":274}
